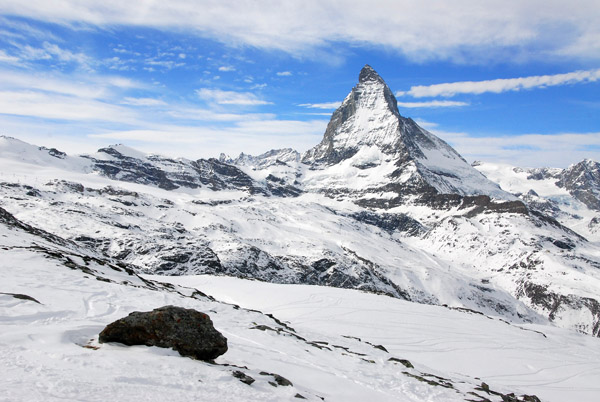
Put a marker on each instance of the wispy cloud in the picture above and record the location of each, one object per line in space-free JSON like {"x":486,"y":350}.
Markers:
{"x":164,"y":64}
{"x":194,"y":113}
{"x":325,"y":105}
{"x":53,"y":51}
{"x":502,"y":85}
{"x":52,"y":106}
{"x":211,"y":141}
{"x":527,"y":150}
{"x":284,"y":73}
{"x":431,"y":104}
{"x":6,"y":58}
{"x":142,"y":102}
{"x":460,"y":30}
{"x":226,"y":68}
{"x":230,"y":97}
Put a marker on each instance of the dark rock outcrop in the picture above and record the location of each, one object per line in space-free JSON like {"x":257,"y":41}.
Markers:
{"x":390,"y":222}
{"x":582,"y":180}
{"x":21,"y":296}
{"x":187,"y":331}
{"x":554,"y":303}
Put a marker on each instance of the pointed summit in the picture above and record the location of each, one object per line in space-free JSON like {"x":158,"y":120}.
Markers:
{"x":368,"y":74}
{"x":368,"y":116}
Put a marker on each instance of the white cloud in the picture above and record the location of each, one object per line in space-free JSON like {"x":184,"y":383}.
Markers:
{"x":411,"y":105}
{"x":52,"y":51}
{"x":52,"y":106}
{"x":431,"y":104}
{"x":325,"y":105}
{"x":526,"y":150}
{"x":142,"y":102}
{"x":6,"y":58}
{"x":462,"y":30}
{"x":191,"y":113}
{"x":67,"y":56}
{"x":166,"y":64}
{"x":284,"y":73}
{"x":32,"y":53}
{"x":78,"y":85}
{"x":226,"y":68}
{"x":22,"y":30}
{"x":427,"y":125}
{"x":253,"y":137}
{"x":230,"y":97}
{"x":502,"y":85}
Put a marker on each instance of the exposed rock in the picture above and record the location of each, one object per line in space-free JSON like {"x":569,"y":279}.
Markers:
{"x":20,"y":296}
{"x":245,"y":378}
{"x":391,"y":222}
{"x":187,"y":331}
{"x":279,"y":380}
{"x":582,"y":180}
{"x":555,"y":304}
{"x":404,"y":362}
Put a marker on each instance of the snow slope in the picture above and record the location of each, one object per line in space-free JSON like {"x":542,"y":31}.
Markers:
{"x":50,"y":351}
{"x":553,"y":364}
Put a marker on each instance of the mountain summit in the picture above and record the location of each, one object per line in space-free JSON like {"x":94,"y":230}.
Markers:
{"x":367,"y":131}
{"x":368,"y":116}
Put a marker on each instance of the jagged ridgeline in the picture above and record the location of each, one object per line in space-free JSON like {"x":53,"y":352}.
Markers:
{"x":380,"y":204}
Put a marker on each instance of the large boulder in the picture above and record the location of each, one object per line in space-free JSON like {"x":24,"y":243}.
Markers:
{"x":187,"y":331}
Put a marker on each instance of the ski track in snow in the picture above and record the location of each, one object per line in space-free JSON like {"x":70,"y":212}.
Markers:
{"x":562,"y":367}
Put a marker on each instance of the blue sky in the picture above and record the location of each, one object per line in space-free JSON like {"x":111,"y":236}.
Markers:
{"x":505,"y":81}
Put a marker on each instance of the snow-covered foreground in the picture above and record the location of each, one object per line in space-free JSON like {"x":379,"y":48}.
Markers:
{"x":554,"y":364}
{"x":329,"y":347}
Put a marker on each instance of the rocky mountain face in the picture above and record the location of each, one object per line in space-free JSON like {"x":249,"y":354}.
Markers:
{"x":582,"y":181}
{"x":122,"y":163}
{"x":380,"y":205}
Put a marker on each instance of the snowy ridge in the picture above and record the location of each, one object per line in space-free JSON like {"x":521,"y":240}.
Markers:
{"x":463,"y":252}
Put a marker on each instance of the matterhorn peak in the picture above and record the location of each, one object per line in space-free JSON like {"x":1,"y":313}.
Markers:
{"x":367,"y":132}
{"x":368,"y":116}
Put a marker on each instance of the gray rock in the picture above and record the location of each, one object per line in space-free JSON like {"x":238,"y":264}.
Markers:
{"x":187,"y":331}
{"x":245,"y":378}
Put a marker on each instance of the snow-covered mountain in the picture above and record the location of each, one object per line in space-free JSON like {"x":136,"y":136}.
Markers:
{"x":379,"y":205}
{"x":572,"y":195}
{"x":390,"y":159}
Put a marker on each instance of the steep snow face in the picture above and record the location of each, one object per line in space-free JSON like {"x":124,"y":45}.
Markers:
{"x":414,"y":158}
